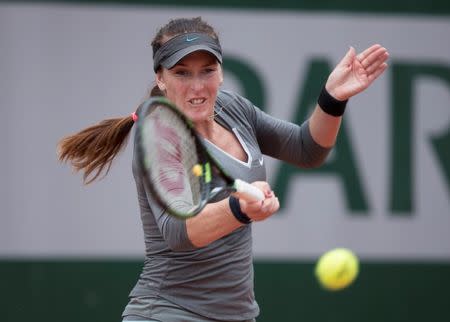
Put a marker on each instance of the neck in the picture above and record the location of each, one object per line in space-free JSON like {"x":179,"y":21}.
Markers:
{"x":208,"y":129}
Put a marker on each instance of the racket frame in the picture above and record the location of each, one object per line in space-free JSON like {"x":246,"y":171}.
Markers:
{"x":206,"y":160}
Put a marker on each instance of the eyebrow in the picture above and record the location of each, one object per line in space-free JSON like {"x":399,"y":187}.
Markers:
{"x":213,"y":62}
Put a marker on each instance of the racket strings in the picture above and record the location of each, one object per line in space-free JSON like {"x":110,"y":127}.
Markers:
{"x":171,"y":155}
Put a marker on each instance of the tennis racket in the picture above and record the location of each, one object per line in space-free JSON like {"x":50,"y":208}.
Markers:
{"x":177,"y":167}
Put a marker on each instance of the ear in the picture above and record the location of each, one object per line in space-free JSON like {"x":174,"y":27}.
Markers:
{"x":160,"y":82}
{"x":221,"y":76}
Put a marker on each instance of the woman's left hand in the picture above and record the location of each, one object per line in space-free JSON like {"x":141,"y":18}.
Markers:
{"x":355,"y":73}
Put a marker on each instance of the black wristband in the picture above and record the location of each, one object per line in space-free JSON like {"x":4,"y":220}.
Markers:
{"x":236,"y":211}
{"x":330,"y":105}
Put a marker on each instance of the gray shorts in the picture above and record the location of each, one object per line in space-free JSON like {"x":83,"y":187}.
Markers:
{"x":155,"y":309}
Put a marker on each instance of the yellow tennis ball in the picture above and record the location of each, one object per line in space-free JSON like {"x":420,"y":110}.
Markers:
{"x":337,"y":269}
{"x":197,"y":170}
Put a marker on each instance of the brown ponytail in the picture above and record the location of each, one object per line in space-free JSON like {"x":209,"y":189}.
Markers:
{"x":93,"y":149}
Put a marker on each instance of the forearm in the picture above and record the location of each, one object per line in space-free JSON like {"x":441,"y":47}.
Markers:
{"x":212,"y":223}
{"x":324,"y":127}
{"x":351,"y":76}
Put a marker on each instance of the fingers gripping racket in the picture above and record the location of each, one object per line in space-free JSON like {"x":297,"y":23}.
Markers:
{"x":177,"y":167}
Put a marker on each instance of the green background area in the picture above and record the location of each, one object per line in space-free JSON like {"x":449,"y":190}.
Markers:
{"x":96,"y":291}
{"x":416,"y":7}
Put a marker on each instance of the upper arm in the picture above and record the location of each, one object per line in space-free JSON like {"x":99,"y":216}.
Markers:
{"x":285,"y":140}
{"x":171,"y":229}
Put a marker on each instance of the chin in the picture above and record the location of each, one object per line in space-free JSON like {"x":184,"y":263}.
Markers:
{"x":199,"y":115}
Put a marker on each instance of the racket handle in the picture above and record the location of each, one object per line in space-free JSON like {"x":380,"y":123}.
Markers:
{"x":247,"y":191}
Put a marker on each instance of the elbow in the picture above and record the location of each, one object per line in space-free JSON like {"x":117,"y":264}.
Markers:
{"x":200,"y":243}
{"x":176,"y":237}
{"x":189,"y":245}
{"x":316,"y":163}
{"x":312,"y":162}
{"x":179,"y":246}
{"x":313,"y":154}
{"x":315,"y":157}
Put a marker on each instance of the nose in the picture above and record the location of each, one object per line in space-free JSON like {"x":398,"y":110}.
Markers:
{"x":197,"y":83}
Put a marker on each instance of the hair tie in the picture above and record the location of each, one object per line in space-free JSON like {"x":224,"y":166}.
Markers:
{"x":134,"y":116}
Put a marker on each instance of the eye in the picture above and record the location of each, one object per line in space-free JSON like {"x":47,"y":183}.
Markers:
{"x":182,"y":73}
{"x":209,"y":70}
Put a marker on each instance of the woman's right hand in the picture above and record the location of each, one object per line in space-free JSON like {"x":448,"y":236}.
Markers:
{"x":260,"y":210}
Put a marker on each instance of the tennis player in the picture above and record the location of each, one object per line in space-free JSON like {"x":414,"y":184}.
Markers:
{"x":200,"y":269}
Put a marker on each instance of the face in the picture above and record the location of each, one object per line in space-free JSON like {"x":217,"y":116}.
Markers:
{"x":192,"y":84}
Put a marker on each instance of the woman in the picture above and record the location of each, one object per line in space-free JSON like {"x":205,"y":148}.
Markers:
{"x":200,"y":269}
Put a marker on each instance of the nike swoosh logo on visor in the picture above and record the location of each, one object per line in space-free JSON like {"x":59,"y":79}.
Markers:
{"x":191,"y":39}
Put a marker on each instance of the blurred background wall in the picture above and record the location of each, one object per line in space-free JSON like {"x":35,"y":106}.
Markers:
{"x":70,"y":252}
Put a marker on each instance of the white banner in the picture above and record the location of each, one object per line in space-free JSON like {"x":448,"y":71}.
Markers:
{"x":66,"y":67}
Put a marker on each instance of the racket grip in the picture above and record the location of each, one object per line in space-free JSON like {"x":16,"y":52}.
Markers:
{"x":247,"y":191}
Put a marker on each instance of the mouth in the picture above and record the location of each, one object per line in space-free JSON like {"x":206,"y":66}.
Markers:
{"x":197,"y":101}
